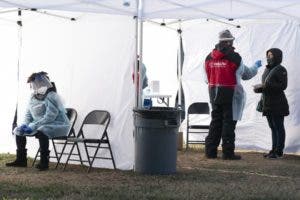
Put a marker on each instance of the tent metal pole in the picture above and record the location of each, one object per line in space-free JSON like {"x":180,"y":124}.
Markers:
{"x":161,"y":25}
{"x":221,"y":22}
{"x":136,"y":93}
{"x":140,"y":34}
{"x":51,"y":14}
{"x":179,"y":68}
{"x":140,"y":62}
{"x":8,"y":11}
{"x":20,"y":25}
{"x":209,"y":19}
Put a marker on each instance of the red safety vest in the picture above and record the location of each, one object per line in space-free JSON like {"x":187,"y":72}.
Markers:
{"x":221,"y":72}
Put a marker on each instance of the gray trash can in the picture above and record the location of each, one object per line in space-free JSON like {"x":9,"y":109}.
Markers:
{"x":156,"y":140}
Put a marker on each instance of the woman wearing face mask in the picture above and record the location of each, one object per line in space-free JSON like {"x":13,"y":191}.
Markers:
{"x":273,"y":103}
{"x":45,"y":118}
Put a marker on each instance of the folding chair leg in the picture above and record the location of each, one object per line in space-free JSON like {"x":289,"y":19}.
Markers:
{"x":87,"y":155}
{"x":79,"y":154}
{"x":111,"y":154}
{"x":95,"y":154}
{"x":61,"y":154}
{"x":187,"y":140}
{"x":36,"y":155}
{"x":69,"y":155}
{"x":55,"y":151}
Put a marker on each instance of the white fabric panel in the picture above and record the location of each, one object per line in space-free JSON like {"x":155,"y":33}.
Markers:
{"x":160,"y":58}
{"x":8,"y":86}
{"x":252,"y":41}
{"x":174,"y":9}
{"x":90,"y":60}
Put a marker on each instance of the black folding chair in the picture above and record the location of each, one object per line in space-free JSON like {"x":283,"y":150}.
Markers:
{"x":97,"y":119}
{"x":58,"y":141}
{"x":198,"y":108}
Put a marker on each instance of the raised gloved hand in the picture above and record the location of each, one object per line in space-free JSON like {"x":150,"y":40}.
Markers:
{"x":257,"y":64}
{"x":25,"y":129}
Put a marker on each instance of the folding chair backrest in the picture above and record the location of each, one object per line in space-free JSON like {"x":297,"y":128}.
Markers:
{"x":96,"y":117}
{"x":194,"y":127}
{"x":198,"y":108}
{"x":72,"y":116}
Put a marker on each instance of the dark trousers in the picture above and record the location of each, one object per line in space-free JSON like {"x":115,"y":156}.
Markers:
{"x":221,"y":126}
{"x":21,"y":142}
{"x":43,"y":141}
{"x":276,"y":123}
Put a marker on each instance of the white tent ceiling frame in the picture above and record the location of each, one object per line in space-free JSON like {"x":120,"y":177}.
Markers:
{"x":37,"y":11}
{"x":204,"y":8}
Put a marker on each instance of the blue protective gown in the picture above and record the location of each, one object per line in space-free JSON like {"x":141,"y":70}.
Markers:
{"x":48,"y":116}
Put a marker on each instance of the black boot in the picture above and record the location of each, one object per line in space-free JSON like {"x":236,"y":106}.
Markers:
{"x":44,"y":147}
{"x":228,"y":150}
{"x":279,"y":153}
{"x":231,"y":157}
{"x":210,"y":154}
{"x":269,"y":154}
{"x":44,"y":162}
{"x":211,"y":150}
{"x":21,"y":160}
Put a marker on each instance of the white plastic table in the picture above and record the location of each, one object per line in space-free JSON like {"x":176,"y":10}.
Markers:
{"x":161,"y":98}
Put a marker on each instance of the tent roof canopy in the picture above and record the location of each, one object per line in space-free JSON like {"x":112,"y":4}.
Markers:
{"x":171,"y":9}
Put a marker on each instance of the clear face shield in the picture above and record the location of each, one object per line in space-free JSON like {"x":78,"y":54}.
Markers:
{"x":40,"y":84}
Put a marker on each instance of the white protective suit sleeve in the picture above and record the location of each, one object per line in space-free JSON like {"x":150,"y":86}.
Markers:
{"x":247,"y":72}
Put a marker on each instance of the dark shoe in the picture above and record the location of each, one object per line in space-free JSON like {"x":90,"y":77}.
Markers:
{"x":21,"y":160}
{"x":42,"y":167}
{"x":268,"y":154}
{"x":17,"y":163}
{"x":279,"y":154}
{"x":44,"y":162}
{"x":211,"y":156}
{"x":231,"y":157}
{"x":210,"y":153}
{"x":272,"y":156}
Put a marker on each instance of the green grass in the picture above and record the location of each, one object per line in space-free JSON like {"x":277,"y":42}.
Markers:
{"x":196,"y":178}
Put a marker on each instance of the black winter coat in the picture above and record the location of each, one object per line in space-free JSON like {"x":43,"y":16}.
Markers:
{"x":274,"y":101}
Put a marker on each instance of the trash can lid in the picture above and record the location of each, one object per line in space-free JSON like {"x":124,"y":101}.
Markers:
{"x":158,"y":113}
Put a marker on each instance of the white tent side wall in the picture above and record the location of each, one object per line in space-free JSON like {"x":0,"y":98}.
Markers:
{"x":8,"y":70}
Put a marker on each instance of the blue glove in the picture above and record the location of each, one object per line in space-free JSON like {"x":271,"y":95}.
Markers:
{"x":23,"y":126}
{"x":20,"y":128}
{"x":257,"y":64}
{"x":25,"y":129}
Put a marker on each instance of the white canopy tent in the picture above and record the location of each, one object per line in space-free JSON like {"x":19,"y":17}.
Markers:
{"x":91,"y":59}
